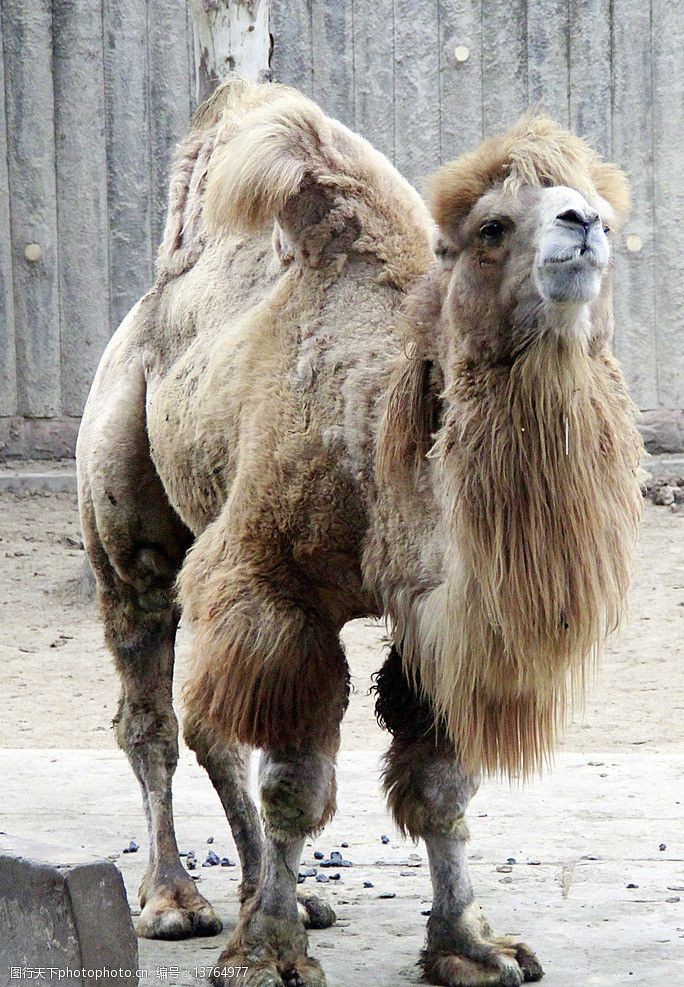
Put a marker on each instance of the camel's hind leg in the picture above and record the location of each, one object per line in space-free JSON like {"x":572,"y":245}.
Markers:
{"x":142,"y":642}
{"x":428,"y":793}
{"x":136,"y":544}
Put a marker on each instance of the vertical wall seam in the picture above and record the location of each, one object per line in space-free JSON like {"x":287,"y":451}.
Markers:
{"x":151,"y":158}
{"x":527,"y":58}
{"x":107,"y":132}
{"x":106,"y":162}
{"x":482,"y":72}
{"x":353,"y":62}
{"x":439,"y":80}
{"x":394,"y":81}
{"x":654,"y":295}
{"x":568,"y":57}
{"x":611,"y":42}
{"x":312,"y":91}
{"x":58,"y":272}
{"x":12,"y":287}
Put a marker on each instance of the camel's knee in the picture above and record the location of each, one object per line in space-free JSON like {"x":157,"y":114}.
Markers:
{"x":147,"y":731}
{"x":427,"y":789}
{"x":145,"y":725}
{"x":297,"y":793}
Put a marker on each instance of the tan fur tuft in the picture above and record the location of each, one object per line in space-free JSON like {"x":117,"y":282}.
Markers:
{"x":407,"y":423}
{"x":254,"y":175}
{"x":536,"y":151}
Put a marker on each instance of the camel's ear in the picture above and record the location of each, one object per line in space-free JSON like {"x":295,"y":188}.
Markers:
{"x":274,"y":156}
{"x":408,"y":421}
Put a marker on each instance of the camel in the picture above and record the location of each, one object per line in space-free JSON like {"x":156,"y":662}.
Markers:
{"x":336,"y":402}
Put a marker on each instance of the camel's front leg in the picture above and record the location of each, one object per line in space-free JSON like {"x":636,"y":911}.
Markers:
{"x":269,"y":947}
{"x":428,"y":793}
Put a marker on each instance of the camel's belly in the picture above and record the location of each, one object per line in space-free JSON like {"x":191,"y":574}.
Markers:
{"x":193,"y":457}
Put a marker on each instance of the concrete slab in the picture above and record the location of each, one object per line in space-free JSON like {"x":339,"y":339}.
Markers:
{"x":580,"y":836}
{"x":31,"y":477}
{"x":64,"y":916}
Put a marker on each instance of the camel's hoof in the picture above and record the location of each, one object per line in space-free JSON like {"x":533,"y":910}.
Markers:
{"x":466,"y":953}
{"x":453,"y":970}
{"x":236,"y":969}
{"x":314,"y":912}
{"x":178,"y":912}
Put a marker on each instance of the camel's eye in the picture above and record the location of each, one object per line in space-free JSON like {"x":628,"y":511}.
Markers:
{"x":492,"y":232}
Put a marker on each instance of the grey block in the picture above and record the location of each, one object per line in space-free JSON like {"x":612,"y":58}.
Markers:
{"x":66,"y":913}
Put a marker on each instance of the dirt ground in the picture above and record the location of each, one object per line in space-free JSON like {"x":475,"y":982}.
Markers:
{"x":59,"y":688}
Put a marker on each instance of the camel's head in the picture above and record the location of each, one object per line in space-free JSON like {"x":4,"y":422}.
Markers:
{"x":526,"y":223}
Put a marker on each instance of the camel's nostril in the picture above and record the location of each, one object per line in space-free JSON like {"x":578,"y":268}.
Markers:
{"x":576,"y":218}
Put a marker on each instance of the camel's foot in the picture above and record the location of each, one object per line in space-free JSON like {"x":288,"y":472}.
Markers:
{"x":314,"y":912}
{"x":176,"y":910}
{"x":268,"y":952}
{"x":470,"y":954}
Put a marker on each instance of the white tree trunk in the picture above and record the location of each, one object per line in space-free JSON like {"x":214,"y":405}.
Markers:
{"x":230,"y":36}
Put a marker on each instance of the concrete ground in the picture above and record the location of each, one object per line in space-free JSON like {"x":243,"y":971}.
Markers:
{"x":608,"y":816}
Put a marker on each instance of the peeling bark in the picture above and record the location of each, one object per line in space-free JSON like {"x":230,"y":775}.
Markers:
{"x":230,"y":36}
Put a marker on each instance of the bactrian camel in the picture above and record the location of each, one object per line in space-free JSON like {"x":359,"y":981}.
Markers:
{"x":335,"y":403}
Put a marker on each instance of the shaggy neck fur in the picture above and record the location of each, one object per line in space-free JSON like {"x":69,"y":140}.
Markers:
{"x":536,"y":467}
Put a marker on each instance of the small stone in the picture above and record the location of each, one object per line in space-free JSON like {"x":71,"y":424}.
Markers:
{"x":664,"y":496}
{"x":308,"y":872}
{"x":663,"y":846}
{"x":426,"y":911}
{"x":673,"y":901}
{"x":334,"y":877}
{"x":504,"y":869}
{"x":322,"y":878}
{"x":384,"y":839}
{"x":300,"y":878}
{"x":132,"y":847}
{"x":387,"y":894}
{"x":210,"y":839}
{"x":213,"y":859}
{"x":506,"y":880}
{"x":227,"y":862}
{"x":336,"y":860}
{"x":511,"y":860}
{"x":632,"y":886}
{"x":319,"y":855}
{"x":344,"y":845}
{"x":534,"y":863}
{"x":368,"y":884}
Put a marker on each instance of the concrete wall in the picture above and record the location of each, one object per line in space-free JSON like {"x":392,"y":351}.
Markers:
{"x":96,"y":92}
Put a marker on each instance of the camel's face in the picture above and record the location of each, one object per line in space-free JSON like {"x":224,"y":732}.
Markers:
{"x":530,"y":261}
